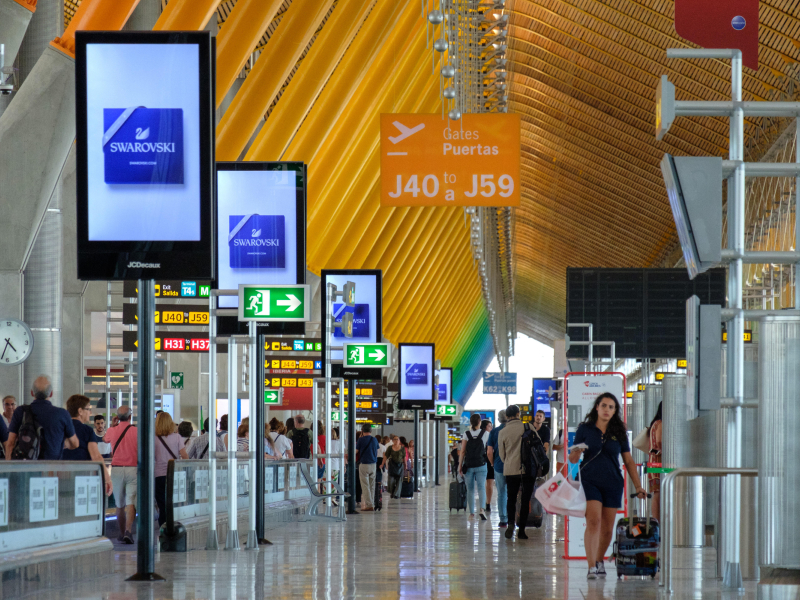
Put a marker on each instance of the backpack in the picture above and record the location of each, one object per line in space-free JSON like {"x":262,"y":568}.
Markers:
{"x":29,"y":437}
{"x":534,"y":457}
{"x":301,"y":443}
{"x":475,"y":452}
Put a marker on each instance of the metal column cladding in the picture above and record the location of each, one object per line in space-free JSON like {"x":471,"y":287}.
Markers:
{"x":653,"y":393}
{"x":779,"y":444}
{"x":636,"y":422}
{"x":678,"y":452}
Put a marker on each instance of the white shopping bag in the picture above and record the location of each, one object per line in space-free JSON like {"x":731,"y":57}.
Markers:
{"x":562,"y":496}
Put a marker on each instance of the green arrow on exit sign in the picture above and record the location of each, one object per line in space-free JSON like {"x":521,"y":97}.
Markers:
{"x":367,"y":355}
{"x":272,"y":397}
{"x":446,"y":410}
{"x":274,"y":302}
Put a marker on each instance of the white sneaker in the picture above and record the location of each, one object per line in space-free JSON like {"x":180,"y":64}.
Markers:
{"x":592,"y":573}
{"x":471,"y":518}
{"x":601,"y":568}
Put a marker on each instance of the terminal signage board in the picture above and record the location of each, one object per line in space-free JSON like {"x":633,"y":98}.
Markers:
{"x":367,"y":312}
{"x":171,"y":341}
{"x":261,"y":225}
{"x":367,"y":355}
{"x":427,"y":160}
{"x":144,"y":139}
{"x":446,"y":410}
{"x":415,"y":370}
{"x":499,"y":383}
{"x":444,"y":391}
{"x":169,"y":314}
{"x":171,"y":289}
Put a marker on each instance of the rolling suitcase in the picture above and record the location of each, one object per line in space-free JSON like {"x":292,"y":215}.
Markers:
{"x":407,"y":489}
{"x":378,"y":495}
{"x":636,"y":546}
{"x":535,"y":512}
{"x":458,"y":495}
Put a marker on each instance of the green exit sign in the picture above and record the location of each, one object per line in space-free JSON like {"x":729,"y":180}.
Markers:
{"x":367,"y":355}
{"x":274,"y":302}
{"x":446,"y":410}
{"x":273,"y":397}
{"x":336,"y":417}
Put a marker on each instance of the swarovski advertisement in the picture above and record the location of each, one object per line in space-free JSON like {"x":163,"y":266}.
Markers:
{"x":257,"y":229}
{"x":444,"y":393}
{"x":143,"y":146}
{"x":365,"y":312}
{"x":416,"y":374}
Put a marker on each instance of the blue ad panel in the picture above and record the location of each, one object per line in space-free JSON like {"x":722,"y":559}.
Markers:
{"x":364,"y":322}
{"x":416,"y":368}
{"x":256,"y":229}
{"x":544,"y":390}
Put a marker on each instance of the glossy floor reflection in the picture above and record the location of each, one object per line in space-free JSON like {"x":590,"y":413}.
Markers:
{"x":412,"y":549}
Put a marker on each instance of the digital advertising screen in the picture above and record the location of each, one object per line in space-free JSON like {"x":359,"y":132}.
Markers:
{"x":261,"y":225}
{"x":144,"y":154}
{"x":415,"y":371}
{"x":444,"y":392}
{"x":544,"y":390}
{"x":367,"y":311}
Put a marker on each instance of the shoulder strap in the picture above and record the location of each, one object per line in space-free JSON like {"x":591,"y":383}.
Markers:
{"x":469,"y":435}
{"x":204,"y":451}
{"x":163,"y":443}
{"x":114,"y":451}
{"x":480,"y":435}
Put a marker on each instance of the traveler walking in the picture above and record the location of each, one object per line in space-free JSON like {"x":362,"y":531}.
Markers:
{"x":168,"y":446}
{"x":367,"y":449}
{"x":57,"y":429}
{"x":486,"y":425}
{"x":497,"y":464}
{"x":321,"y":445}
{"x":603,"y":431}
{"x":473,"y":465}
{"x":80,"y":409}
{"x":100,"y":431}
{"x":394,"y":460}
{"x":124,"y":440}
{"x":301,"y":438}
{"x":201,"y":446}
{"x":454,"y":461}
{"x":186,"y":429}
{"x":282,"y":444}
{"x":542,"y":429}
{"x":9,"y":405}
{"x":509,"y":446}
{"x":654,"y":479}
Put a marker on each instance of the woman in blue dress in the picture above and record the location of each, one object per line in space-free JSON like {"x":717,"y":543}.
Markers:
{"x":604,"y":433}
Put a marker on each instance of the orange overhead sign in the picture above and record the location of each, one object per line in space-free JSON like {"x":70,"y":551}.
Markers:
{"x":430,"y":161}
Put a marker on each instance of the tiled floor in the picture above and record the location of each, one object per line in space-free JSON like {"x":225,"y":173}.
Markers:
{"x":412,"y":549}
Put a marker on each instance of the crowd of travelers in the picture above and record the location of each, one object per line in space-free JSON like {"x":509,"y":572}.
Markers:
{"x":40,"y":430}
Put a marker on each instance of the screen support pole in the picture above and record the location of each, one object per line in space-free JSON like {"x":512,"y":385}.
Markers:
{"x":259,"y":410}
{"x":351,"y":447}
{"x":256,"y":435}
{"x":212,"y":542}
{"x":437,"y":425}
{"x":145,"y":477}
{"x":416,"y":450}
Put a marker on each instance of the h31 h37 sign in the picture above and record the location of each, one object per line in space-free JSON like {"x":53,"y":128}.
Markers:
{"x":430,"y":161}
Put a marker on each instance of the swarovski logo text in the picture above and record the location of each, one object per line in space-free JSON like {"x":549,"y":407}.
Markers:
{"x":162,"y":147}
{"x":256,"y":242}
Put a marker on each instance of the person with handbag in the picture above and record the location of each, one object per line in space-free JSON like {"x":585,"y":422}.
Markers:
{"x":509,"y":444}
{"x":654,"y":456}
{"x":168,"y":446}
{"x":606,"y":439}
{"x":124,"y":440}
{"x":394,"y":460}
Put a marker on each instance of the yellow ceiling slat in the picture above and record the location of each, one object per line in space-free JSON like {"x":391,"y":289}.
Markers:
{"x":186,"y":15}
{"x":319,"y":63}
{"x":237,"y":37}
{"x":264,"y":82}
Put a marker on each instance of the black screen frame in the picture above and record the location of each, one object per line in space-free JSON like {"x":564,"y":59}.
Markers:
{"x":378,"y":273}
{"x":415,"y":404}
{"x":104,"y":260}
{"x":450,"y":401}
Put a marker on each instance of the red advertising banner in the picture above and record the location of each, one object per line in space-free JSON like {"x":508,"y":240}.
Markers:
{"x":720,"y":24}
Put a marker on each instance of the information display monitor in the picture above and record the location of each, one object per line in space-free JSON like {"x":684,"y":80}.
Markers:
{"x":367,"y":312}
{"x":544,"y":390}
{"x":144,"y":130}
{"x":415,"y":370}
{"x":261,"y":225}
{"x":444,"y":393}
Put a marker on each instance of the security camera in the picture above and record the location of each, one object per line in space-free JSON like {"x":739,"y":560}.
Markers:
{"x":6,"y":89}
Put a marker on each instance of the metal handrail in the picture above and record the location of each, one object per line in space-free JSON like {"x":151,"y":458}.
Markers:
{"x":667,"y":523}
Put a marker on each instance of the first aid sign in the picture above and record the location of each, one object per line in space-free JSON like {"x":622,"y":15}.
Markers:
{"x":427,"y":160}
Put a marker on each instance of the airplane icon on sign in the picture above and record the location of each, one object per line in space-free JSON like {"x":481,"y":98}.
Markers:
{"x":405,"y":132}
